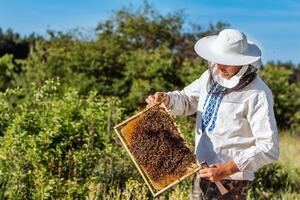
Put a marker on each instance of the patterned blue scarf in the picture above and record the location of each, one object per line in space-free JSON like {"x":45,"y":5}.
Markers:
{"x":210,"y":109}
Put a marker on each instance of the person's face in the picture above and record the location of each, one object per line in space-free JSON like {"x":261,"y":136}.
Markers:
{"x":227,"y":71}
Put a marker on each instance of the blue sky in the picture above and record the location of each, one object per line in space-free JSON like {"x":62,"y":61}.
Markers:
{"x":273,"y":24}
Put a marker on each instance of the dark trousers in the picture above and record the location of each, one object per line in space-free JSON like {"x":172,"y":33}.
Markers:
{"x":205,"y":190}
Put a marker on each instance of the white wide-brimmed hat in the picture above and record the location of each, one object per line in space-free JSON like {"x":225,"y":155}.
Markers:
{"x":230,"y":47}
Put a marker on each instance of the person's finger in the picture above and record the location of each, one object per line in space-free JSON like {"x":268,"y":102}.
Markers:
{"x":157,"y":96}
{"x":150,"y":99}
{"x":147,"y":101}
{"x":205,"y":172}
{"x":162,"y":97}
{"x":205,"y":175}
{"x":211,"y":179}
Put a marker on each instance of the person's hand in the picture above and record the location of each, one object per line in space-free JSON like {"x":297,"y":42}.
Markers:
{"x":158,"y":97}
{"x":219,"y":171}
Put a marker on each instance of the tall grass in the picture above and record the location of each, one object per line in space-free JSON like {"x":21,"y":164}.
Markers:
{"x":290,"y":161}
{"x":280,"y":180}
{"x":289,"y":150}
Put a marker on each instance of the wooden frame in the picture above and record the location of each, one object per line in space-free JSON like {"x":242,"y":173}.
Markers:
{"x":155,"y":192}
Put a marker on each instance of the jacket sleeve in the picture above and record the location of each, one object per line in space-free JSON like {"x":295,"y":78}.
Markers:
{"x":263,"y":126}
{"x":185,"y":102}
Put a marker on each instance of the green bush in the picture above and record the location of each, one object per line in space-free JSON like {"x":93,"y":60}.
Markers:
{"x":6,"y":72}
{"x":59,"y":145}
{"x":286,"y":94}
{"x":273,"y":181}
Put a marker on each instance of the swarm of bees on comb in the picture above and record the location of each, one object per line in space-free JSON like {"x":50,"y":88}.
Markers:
{"x":158,"y":147}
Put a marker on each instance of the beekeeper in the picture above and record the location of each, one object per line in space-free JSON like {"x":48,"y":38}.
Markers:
{"x":236,"y":131}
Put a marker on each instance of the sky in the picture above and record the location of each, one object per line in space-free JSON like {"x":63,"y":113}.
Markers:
{"x":272,"y":24}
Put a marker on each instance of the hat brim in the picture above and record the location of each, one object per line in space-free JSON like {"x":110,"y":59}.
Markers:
{"x":203,"y":48}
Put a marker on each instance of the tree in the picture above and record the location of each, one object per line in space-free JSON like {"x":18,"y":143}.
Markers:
{"x":286,"y":93}
{"x":13,"y":43}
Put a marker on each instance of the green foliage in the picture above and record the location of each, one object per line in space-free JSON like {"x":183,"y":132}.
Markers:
{"x":274,"y":180}
{"x":13,"y":43}
{"x":6,"y":72}
{"x":147,"y":72}
{"x":141,"y":29}
{"x":62,"y":56}
{"x":286,"y":94}
{"x":58,"y":145}
{"x":190,"y":70}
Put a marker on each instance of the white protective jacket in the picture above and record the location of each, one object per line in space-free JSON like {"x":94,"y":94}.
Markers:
{"x":242,"y":126}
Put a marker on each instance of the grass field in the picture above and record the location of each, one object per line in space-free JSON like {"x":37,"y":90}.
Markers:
{"x":290,"y":160}
{"x":289,"y":150}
